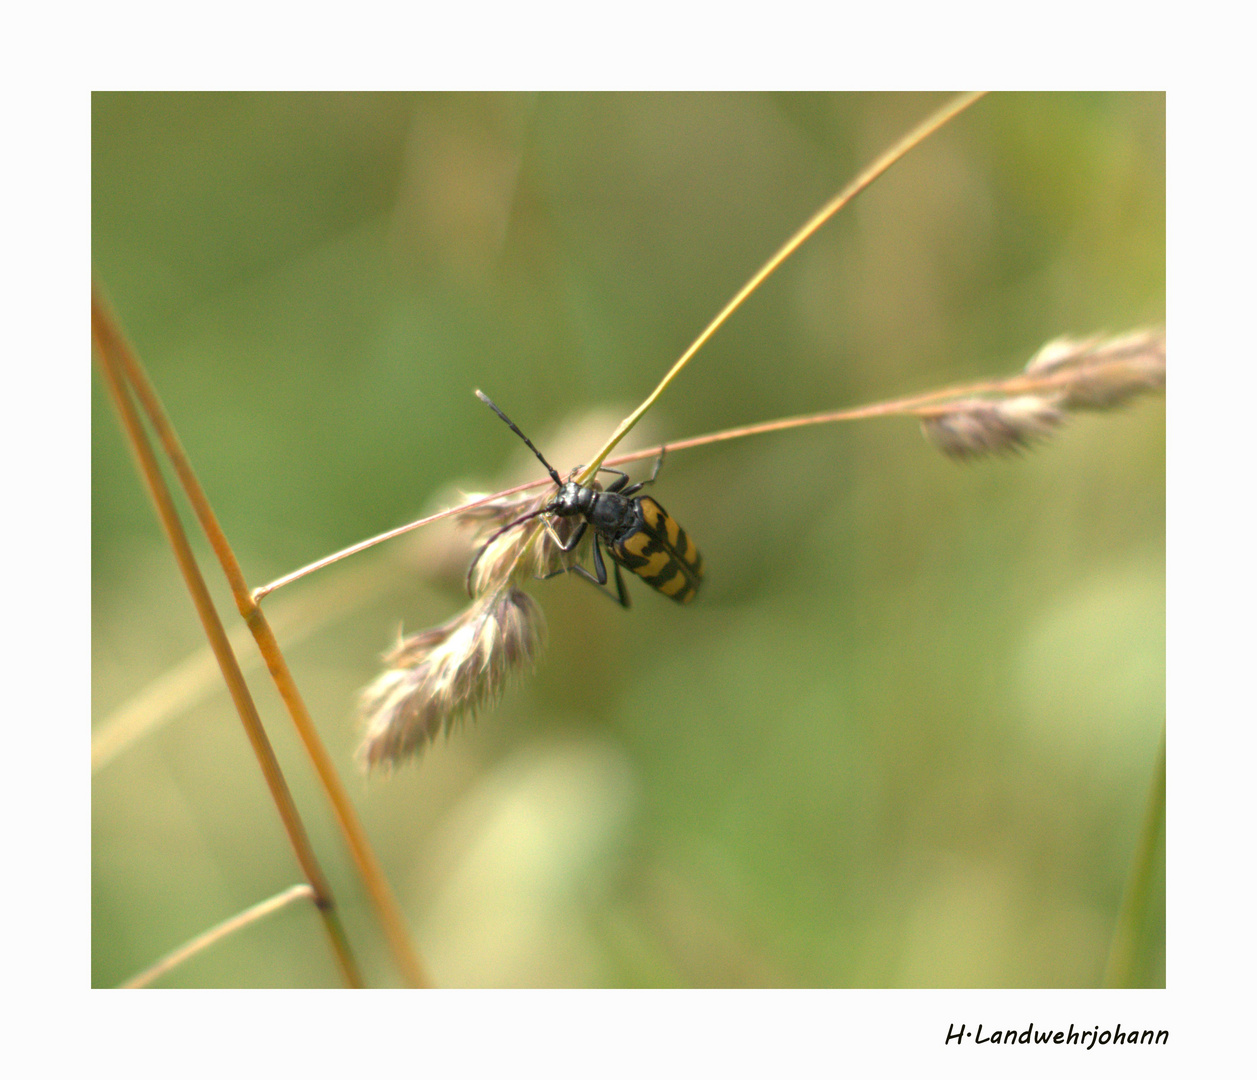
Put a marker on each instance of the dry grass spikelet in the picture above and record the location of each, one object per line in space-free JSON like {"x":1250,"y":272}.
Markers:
{"x":971,"y":427}
{"x":1102,"y":373}
{"x":530,"y":550}
{"x":439,"y":675}
{"x":434,"y":677}
{"x":1065,"y":375}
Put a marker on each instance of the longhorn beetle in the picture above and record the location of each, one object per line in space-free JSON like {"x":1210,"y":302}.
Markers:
{"x":640,"y":534}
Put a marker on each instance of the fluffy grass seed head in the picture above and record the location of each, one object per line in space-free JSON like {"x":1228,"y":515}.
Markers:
{"x":437,"y":676}
{"x":523,"y":552}
{"x":1103,"y":373}
{"x":972,"y":427}
{"x":1092,"y":373}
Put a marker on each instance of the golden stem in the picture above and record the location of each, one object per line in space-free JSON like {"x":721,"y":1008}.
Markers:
{"x":119,"y":358}
{"x":863,"y":180}
{"x":108,"y":348}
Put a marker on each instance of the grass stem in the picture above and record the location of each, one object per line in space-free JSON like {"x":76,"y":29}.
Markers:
{"x":216,"y":934}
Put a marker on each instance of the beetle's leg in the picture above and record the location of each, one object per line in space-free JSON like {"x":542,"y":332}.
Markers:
{"x":619,"y":587}
{"x":600,"y":580}
{"x":577,"y":534}
{"x":599,"y":577}
{"x":600,"y":568}
{"x":623,"y":600}
{"x":574,"y":539}
{"x":630,"y":491}
{"x":658,"y":465}
{"x":616,"y":485}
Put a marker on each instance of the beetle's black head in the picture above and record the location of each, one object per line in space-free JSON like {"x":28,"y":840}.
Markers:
{"x":571,"y":499}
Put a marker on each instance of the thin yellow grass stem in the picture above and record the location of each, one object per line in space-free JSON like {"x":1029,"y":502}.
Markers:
{"x":401,"y":530}
{"x":912,"y":405}
{"x":387,"y":909}
{"x":107,"y":350}
{"x":215,"y":934}
{"x":863,"y":180}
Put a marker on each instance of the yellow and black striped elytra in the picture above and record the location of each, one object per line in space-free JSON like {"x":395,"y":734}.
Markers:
{"x":640,"y":535}
{"x":658,"y":551}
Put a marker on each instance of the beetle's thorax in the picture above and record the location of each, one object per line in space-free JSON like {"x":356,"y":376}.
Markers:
{"x":606,"y":511}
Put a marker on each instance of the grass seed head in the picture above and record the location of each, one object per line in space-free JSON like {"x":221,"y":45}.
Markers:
{"x":437,"y":676}
{"x":1103,"y":373}
{"x":973,"y":427}
{"x":1066,"y":375}
{"x":529,"y":550}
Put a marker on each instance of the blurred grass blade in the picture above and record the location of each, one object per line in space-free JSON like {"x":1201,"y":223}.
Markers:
{"x":121,"y":362}
{"x":216,"y":933}
{"x":1133,"y":942}
{"x":118,"y":365}
{"x":196,"y":677}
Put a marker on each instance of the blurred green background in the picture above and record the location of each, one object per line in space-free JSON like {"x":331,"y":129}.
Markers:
{"x":906,"y":735}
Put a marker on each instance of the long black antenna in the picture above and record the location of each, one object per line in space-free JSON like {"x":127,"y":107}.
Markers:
{"x":510,"y":424}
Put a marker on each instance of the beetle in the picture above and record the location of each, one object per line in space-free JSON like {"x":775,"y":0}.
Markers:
{"x":639,"y":534}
